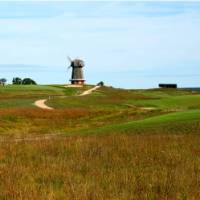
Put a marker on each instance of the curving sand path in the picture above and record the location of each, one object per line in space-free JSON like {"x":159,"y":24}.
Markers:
{"x":41,"y":103}
{"x":89,"y":91}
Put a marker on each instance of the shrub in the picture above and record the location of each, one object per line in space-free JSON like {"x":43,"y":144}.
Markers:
{"x":28,"y":81}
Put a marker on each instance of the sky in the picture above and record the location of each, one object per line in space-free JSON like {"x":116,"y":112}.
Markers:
{"x":126,"y":44}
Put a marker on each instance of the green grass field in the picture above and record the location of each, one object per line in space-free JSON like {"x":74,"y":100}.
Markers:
{"x":111,"y":144}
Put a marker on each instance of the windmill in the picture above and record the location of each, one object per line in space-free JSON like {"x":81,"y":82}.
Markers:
{"x":77,"y":71}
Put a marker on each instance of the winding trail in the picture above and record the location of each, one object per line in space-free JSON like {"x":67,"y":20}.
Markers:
{"x":89,"y":91}
{"x":31,"y":138}
{"x":41,"y":103}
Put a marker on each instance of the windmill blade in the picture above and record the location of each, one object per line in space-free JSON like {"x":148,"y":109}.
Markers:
{"x":68,"y":68}
{"x":70,"y":60}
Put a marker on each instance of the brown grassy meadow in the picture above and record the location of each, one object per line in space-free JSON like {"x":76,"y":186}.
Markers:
{"x":101,"y":146}
{"x":102,"y":167}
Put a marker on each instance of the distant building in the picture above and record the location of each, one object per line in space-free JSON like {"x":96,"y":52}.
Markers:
{"x":167,"y":85}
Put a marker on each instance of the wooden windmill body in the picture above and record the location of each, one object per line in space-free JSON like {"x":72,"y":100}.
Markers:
{"x":77,"y":77}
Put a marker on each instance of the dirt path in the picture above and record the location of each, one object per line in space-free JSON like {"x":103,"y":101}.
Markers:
{"x":90,"y":91}
{"x":148,"y":108}
{"x":41,"y":103}
{"x":31,"y":138}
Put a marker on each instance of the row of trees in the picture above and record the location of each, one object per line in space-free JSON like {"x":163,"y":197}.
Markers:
{"x":19,"y":81}
{"x":25,"y":81}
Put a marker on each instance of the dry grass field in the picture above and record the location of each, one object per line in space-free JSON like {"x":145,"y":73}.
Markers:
{"x":102,"y":167}
{"x":113,"y":144}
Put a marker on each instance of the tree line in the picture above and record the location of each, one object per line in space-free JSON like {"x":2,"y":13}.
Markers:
{"x":25,"y":81}
{"x":19,"y":81}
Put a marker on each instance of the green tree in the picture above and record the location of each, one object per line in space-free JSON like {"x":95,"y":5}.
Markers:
{"x":17,"y":81}
{"x":3,"y":81}
{"x":101,"y":83}
{"x":28,"y":81}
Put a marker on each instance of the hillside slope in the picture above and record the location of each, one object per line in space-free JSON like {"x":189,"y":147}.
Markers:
{"x":105,"y":110}
{"x":111,"y":144}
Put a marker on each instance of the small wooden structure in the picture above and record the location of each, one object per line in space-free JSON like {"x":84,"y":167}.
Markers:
{"x":167,"y":85}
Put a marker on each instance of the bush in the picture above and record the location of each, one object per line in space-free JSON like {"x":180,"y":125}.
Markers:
{"x":28,"y":81}
{"x":101,"y":83}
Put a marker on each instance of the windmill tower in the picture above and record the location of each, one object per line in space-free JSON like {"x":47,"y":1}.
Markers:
{"x":77,"y":71}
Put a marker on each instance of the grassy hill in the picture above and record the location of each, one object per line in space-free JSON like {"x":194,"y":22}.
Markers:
{"x":106,"y":110}
{"x":120,"y":144}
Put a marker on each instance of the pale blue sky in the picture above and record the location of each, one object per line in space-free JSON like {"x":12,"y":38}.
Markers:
{"x":124,"y":44}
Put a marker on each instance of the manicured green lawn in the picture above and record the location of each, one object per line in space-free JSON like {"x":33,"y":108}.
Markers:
{"x":176,"y":121}
{"x":170,"y":102}
{"x":33,"y":90}
{"x":161,"y":119}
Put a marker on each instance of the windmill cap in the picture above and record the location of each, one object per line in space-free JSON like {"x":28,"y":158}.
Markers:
{"x":78,"y":63}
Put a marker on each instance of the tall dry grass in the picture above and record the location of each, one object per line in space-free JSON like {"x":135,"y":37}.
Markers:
{"x":107,"y":167}
{"x":32,"y":121}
